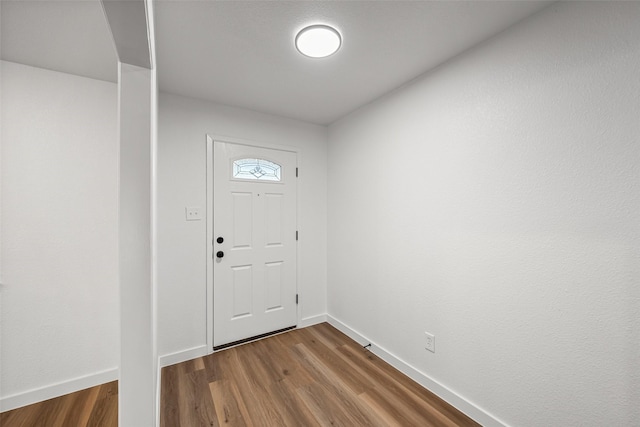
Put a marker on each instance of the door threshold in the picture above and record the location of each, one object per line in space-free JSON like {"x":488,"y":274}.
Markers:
{"x":255,"y":338}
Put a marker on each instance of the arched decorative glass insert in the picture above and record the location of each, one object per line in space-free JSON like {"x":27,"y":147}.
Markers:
{"x":257,"y":169}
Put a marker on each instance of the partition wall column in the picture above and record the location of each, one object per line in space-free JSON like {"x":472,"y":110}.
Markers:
{"x":131,"y":24}
{"x":138,"y":351}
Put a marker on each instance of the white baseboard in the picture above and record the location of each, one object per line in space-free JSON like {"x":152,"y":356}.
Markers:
{"x":29,"y":397}
{"x":459,"y":402}
{"x":312,"y":320}
{"x":182,"y":356}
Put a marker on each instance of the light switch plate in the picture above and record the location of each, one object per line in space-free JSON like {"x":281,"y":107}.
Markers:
{"x":193,"y":213}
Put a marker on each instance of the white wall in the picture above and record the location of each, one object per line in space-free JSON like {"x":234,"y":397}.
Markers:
{"x":495,"y":203}
{"x":59,"y":245}
{"x":182,"y":127}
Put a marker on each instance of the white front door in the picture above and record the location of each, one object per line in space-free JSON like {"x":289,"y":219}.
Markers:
{"x":254,"y":241}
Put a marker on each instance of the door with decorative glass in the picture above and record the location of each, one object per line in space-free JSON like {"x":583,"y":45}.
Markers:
{"x":254,"y":241}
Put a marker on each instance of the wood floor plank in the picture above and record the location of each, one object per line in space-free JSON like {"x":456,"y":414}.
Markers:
{"x":404,"y":389}
{"x":400,"y":409}
{"x":327,"y":410}
{"x":295,"y":411}
{"x":390,"y":417}
{"x":51,"y":409}
{"x":203,"y":410}
{"x":198,"y":364}
{"x":330,"y":335}
{"x":282,"y":359}
{"x":74,"y":409}
{"x":313,"y":376}
{"x":169,"y":397}
{"x":227,"y":404}
{"x":189,"y":396}
{"x":212,"y":368}
{"x":336,"y":387}
{"x":105,"y":409}
{"x":64,"y":409}
{"x":81,"y":407}
{"x":269,"y":369}
{"x":252,"y":381}
{"x":355,"y":378}
{"x":309,"y":377}
{"x":22,"y":417}
{"x":391,"y":384}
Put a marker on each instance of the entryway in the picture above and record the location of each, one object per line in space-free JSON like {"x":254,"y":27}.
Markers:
{"x":253,"y":235}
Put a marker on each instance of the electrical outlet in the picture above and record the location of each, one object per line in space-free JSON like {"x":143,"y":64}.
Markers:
{"x":193,"y":213}
{"x":430,"y":343}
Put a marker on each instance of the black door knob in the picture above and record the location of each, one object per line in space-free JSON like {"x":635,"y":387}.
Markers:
{"x":219,"y":254}
{"x":220,"y":239}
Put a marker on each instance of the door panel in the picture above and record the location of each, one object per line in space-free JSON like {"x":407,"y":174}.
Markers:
{"x":242,"y":220}
{"x":254,"y":210}
{"x":273,"y":281}
{"x":242,"y":277}
{"x":273,"y":219}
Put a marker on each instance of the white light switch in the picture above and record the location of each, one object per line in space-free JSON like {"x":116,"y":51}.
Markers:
{"x":193,"y":213}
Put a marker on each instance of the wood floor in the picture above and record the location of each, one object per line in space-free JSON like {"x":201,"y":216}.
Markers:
{"x":306,"y":377}
{"x":93,"y":407}
{"x":315,"y":376}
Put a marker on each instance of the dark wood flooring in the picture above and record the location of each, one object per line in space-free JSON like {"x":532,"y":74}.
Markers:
{"x":315,"y":376}
{"x":93,"y":407}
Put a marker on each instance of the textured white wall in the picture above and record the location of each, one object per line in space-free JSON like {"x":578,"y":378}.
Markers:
{"x":182,"y":127}
{"x":59,"y":309}
{"x":495,"y":203}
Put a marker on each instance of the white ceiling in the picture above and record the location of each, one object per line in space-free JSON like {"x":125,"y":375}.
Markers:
{"x":241,"y":53}
{"x":68,"y":36}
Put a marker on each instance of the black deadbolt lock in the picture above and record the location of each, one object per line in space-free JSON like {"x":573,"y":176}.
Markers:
{"x":219,"y":254}
{"x":219,"y":240}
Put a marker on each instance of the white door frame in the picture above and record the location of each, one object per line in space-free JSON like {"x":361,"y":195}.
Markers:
{"x":209,"y":242}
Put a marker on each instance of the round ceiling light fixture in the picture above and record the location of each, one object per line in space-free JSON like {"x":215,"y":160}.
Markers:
{"x":318,"y":41}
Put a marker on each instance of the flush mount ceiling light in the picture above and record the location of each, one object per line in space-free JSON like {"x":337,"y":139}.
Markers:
{"x":318,"y":41}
